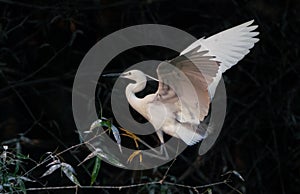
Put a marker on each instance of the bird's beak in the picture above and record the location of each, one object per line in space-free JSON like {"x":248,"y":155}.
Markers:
{"x":151,"y":78}
{"x":112,"y":75}
{"x":124,"y":75}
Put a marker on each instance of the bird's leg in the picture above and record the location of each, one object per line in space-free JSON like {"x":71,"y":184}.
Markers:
{"x":162,"y":142}
{"x":162,"y":154}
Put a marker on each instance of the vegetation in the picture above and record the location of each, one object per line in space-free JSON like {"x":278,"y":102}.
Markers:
{"x":41,"y":46}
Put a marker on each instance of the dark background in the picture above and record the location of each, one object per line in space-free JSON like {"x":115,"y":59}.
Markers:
{"x":43,"y":42}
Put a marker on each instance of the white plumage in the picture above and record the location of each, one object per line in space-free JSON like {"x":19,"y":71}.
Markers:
{"x":177,"y":108}
{"x":228,"y":47}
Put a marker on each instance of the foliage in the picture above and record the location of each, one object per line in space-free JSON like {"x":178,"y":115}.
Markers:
{"x":43,"y":42}
{"x":11,"y":170}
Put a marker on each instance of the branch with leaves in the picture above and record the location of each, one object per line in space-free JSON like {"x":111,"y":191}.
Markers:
{"x":55,"y":163}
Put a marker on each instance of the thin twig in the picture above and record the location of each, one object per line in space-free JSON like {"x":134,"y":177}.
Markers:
{"x":228,"y":185}
{"x":126,"y":186}
{"x":64,"y":151}
{"x":166,"y":173}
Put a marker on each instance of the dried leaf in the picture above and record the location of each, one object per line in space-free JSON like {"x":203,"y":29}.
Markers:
{"x":68,"y":167}
{"x":96,"y":124}
{"x":238,"y":175}
{"x":26,"y":179}
{"x":117,"y":136}
{"x":235,"y":173}
{"x":110,"y":158}
{"x":51,"y":169}
{"x":91,"y":155}
{"x":69,"y":172}
{"x":54,"y":162}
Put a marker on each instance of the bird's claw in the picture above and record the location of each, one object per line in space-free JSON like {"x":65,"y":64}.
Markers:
{"x":132,"y":136}
{"x":134,"y":154}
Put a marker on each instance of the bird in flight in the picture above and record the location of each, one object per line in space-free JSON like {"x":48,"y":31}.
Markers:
{"x":188,"y":82}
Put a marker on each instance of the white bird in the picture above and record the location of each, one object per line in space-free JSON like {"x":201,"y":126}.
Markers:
{"x":174,"y":109}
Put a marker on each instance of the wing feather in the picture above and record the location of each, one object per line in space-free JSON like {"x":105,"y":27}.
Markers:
{"x":187,"y":83}
{"x":228,"y":47}
{"x":187,"y":77}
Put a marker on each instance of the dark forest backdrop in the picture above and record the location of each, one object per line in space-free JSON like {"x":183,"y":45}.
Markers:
{"x":43,"y":42}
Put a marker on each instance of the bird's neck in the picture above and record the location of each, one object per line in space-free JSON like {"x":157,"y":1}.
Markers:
{"x":131,"y":89}
{"x":138,"y":86}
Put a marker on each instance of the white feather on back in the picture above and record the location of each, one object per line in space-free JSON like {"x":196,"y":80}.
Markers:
{"x":228,"y":47}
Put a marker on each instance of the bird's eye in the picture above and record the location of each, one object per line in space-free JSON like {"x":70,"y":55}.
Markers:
{"x":129,"y":73}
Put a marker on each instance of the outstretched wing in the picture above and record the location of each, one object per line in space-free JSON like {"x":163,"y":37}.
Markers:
{"x":188,"y":82}
{"x":184,"y":80}
{"x":183,"y":91}
{"x":228,"y":47}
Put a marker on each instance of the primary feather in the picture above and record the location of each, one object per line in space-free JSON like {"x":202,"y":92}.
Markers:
{"x":188,"y":82}
{"x":228,"y":47}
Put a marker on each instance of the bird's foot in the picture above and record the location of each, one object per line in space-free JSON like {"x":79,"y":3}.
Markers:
{"x":134,"y":154}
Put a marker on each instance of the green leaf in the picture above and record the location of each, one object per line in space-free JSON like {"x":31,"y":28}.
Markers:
{"x":17,"y":167}
{"x":22,"y":186}
{"x":96,"y":170}
{"x":22,"y":157}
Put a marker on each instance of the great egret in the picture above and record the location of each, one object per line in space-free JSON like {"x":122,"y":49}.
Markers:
{"x":188,"y":82}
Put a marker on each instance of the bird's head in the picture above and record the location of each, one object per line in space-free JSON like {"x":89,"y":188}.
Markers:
{"x":134,"y":75}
